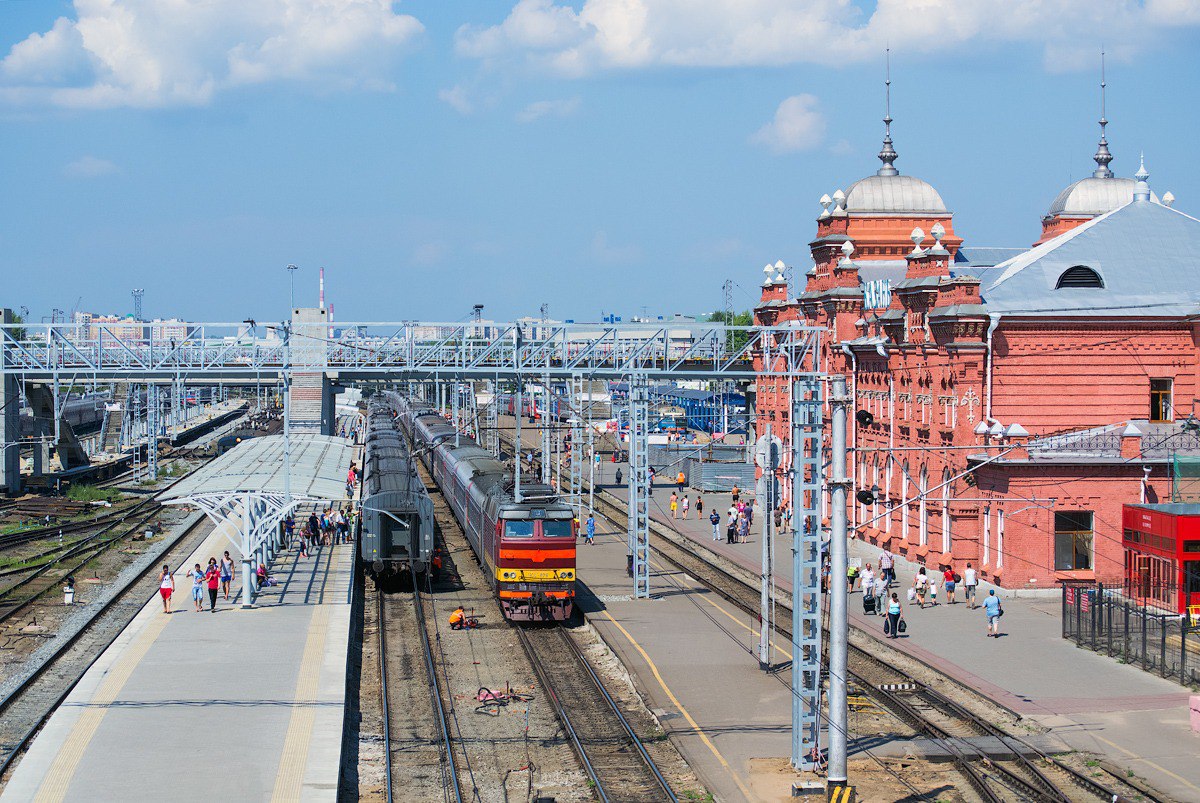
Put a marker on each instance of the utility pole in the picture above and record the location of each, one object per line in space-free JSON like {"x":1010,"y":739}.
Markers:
{"x":291,"y":269}
{"x":768,"y":461}
{"x":838,"y":595}
{"x":517,"y":401}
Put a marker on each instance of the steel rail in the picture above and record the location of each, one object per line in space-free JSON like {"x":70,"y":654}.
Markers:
{"x":18,"y":747}
{"x":1042,"y":789}
{"x":92,"y":543}
{"x":560,"y":712}
{"x":383,"y":695}
{"x":443,"y":718}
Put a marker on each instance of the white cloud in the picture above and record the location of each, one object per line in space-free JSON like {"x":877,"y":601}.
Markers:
{"x":548,"y":108}
{"x":429,"y":254}
{"x":798,"y":126}
{"x":456,"y":98}
{"x":89,"y":167}
{"x":150,"y":53}
{"x":606,"y":34}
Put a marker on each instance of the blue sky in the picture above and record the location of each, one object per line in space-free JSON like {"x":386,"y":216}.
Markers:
{"x":598,"y":156}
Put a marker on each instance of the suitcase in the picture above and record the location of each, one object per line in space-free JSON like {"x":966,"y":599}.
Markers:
{"x":869,"y":604}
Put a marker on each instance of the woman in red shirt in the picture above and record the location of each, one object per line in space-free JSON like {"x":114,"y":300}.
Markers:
{"x":213,"y":576}
{"x":949,"y":582}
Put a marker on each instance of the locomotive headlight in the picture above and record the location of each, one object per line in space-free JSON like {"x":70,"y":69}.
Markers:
{"x":509,"y":575}
{"x":567,"y":575}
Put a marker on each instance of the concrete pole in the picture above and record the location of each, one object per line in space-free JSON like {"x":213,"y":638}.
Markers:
{"x":454,"y":413}
{"x":247,"y":555}
{"x":838,"y":596}
{"x":764,"y":611}
{"x":287,"y":415}
{"x":517,"y":401}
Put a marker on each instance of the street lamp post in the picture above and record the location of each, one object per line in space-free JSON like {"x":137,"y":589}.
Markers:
{"x":291,"y":269}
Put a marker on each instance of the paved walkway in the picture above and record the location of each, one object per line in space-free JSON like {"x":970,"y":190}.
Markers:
{"x":243,"y":704}
{"x":1090,"y":701}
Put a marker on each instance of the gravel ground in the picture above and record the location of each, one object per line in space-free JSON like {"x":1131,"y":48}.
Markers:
{"x":21,"y":653}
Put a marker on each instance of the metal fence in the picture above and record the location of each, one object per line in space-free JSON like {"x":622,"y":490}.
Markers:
{"x":1106,"y":621}
{"x":714,"y":468}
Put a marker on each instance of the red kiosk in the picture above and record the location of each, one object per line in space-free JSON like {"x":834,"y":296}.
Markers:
{"x":1162,"y":555}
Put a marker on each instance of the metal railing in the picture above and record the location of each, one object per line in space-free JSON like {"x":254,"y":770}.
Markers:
{"x":1111,"y":622}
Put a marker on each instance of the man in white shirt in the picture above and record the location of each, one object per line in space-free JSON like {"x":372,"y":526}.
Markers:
{"x":970,"y":580}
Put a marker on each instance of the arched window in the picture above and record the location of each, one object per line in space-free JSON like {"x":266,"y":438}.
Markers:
{"x":1079,"y":276}
{"x":947,"y":541}
{"x":904,"y":502}
{"x":875,"y":484}
{"x":889,"y":496}
{"x":923,"y":508}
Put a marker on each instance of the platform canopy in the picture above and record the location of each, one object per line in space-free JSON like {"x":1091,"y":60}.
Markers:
{"x":255,"y":485}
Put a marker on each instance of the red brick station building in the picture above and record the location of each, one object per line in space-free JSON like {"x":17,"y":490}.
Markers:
{"x":1064,"y":373}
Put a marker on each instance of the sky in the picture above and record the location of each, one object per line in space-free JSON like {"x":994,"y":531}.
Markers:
{"x":598,"y":156}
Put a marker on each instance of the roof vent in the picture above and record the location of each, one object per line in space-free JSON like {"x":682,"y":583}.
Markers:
{"x":1079,"y":276}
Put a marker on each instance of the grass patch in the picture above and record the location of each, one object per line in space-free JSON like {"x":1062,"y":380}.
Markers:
{"x":90,"y":493}
{"x":693,"y":795}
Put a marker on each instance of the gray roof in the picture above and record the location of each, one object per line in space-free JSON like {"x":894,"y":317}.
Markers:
{"x":893,"y":195}
{"x":982,"y":257}
{"x":1092,"y":196}
{"x":1147,"y":254}
{"x":870,"y":270}
{"x":319,"y":467}
{"x":1160,"y":442}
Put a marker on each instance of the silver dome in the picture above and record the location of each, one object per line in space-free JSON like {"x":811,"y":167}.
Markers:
{"x":894,"y":195}
{"x":1092,"y":196}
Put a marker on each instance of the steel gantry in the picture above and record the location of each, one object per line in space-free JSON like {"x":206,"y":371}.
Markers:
{"x":807,"y":481}
{"x":639,"y":484}
{"x":388,"y":351}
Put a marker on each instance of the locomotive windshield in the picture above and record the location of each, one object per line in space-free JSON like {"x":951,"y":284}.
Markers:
{"x":518,"y":529}
{"x":555,"y":529}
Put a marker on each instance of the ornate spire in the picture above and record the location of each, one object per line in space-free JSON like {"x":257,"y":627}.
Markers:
{"x":1102,"y":157}
{"x":888,"y":154}
{"x":1141,"y":190}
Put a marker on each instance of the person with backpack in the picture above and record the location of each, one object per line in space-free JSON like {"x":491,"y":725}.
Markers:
{"x":993,"y":610}
{"x":950,"y":581}
{"x":714,"y":519}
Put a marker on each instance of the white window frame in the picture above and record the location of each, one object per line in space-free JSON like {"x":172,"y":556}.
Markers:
{"x":987,"y":534}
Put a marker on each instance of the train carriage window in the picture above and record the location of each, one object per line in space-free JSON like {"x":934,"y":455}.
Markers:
{"x":518,"y":529}
{"x":556,"y":529}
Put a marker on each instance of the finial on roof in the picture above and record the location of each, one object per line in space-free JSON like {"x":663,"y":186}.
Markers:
{"x":888,"y":155}
{"x":1103,"y":157}
{"x":826,"y":202}
{"x":1168,"y":198}
{"x":1141,"y":190}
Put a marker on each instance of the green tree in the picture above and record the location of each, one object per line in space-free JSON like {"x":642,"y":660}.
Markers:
{"x":736,"y":339}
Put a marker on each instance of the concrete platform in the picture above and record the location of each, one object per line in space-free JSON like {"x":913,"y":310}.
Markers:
{"x":243,"y":704}
{"x":1091,"y":702}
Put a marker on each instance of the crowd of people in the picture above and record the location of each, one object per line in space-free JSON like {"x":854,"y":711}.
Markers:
{"x":880,"y":600}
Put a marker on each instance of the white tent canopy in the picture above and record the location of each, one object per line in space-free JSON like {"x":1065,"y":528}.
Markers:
{"x":257,"y":485}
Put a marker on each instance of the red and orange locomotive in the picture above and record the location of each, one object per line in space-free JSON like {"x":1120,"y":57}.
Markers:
{"x":526,"y":546}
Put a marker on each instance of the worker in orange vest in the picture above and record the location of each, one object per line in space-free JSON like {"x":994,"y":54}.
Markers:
{"x":680,"y":480}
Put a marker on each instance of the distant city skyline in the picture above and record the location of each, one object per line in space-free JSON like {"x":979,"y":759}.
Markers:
{"x":595,"y":156}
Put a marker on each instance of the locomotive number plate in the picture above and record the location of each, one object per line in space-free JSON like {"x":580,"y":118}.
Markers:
{"x":539,"y":574}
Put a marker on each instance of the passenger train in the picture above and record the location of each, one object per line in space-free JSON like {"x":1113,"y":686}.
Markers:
{"x":527,"y":547}
{"x":397,"y":535}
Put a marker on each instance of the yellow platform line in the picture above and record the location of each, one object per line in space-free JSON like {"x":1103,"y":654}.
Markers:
{"x":289,"y":780}
{"x":675,"y":701}
{"x":62,"y":769}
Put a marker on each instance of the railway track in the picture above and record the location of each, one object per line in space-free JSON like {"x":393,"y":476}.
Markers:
{"x":1031,"y":775}
{"x":419,"y":747}
{"x":612,"y":754}
{"x":20,"y":595}
{"x":30,"y":704}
